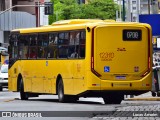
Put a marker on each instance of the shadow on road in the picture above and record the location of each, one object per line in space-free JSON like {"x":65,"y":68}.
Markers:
{"x":56,"y":101}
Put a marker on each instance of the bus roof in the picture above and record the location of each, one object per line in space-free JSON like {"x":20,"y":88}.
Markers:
{"x":76,"y":21}
{"x":71,"y":24}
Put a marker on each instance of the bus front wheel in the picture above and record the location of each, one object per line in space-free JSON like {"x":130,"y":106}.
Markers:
{"x":23,"y":95}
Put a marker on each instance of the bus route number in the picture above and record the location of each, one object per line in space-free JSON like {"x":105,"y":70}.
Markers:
{"x":132,"y":35}
{"x":106,"y":56}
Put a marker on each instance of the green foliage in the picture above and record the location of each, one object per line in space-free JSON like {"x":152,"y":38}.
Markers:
{"x":94,"y":9}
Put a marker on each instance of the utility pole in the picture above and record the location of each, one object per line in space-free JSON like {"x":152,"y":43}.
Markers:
{"x":148,"y":6}
{"x":138,"y":5}
{"x":10,"y":14}
{"x":120,"y":11}
{"x":123,"y":10}
{"x":128,"y":12}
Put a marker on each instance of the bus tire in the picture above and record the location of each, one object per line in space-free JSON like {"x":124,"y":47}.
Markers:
{"x":154,"y":94}
{"x":158,"y":94}
{"x":23,"y":95}
{"x":1,"y":88}
{"x":73,"y":98}
{"x":113,"y":99}
{"x":62,"y":98}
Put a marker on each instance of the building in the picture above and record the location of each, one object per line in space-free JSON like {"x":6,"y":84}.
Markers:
{"x":136,"y":7}
{"x":23,"y":15}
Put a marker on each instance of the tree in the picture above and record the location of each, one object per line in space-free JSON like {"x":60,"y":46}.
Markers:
{"x":103,"y":9}
{"x":94,"y":9}
{"x":57,"y":10}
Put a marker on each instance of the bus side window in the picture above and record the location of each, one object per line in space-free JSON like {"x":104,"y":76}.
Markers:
{"x":71,"y":38}
{"x":77,"y":38}
{"x":42,"y":45}
{"x":71,"y":50}
{"x":63,"y":52}
{"x":33,"y":40}
{"x":32,"y":53}
{"x":82,"y":44}
{"x":63,"y":41}
{"x":52,"y":47}
{"x":75,"y":53}
{"x":23,"y":46}
{"x":14,"y":47}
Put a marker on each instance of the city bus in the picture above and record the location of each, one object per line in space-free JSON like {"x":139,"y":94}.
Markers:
{"x":81,"y":58}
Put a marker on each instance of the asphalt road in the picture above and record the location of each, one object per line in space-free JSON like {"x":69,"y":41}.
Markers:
{"x":48,"y":106}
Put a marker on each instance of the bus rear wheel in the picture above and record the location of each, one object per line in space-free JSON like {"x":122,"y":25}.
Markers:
{"x":23,"y":95}
{"x":1,"y":88}
{"x":61,"y":96}
{"x":65,"y":98}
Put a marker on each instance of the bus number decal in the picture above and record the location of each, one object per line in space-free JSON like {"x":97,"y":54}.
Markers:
{"x":106,"y":56}
{"x":78,"y":67}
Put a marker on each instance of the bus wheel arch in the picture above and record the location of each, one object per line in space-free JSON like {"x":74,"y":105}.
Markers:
{"x":60,"y":92}
{"x":20,"y":88}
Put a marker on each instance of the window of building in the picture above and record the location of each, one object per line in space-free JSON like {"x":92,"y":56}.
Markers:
{"x":81,"y":1}
{"x":134,"y":8}
{"x":133,"y":2}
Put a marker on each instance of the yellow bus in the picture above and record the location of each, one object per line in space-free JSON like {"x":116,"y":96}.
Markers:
{"x":81,"y":58}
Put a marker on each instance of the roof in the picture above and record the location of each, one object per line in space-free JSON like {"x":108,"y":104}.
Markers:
{"x":72,"y":24}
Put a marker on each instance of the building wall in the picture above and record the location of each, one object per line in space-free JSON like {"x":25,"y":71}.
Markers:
{"x":136,"y":7}
{"x":15,"y":20}
{"x":30,"y":10}
{"x":158,"y":6}
{"x":2,"y":5}
{"x":1,"y":37}
{"x":8,"y":4}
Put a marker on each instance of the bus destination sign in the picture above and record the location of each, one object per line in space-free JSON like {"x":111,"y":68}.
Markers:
{"x":132,"y":35}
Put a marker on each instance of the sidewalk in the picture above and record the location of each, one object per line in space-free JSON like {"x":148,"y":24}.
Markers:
{"x":144,"y":97}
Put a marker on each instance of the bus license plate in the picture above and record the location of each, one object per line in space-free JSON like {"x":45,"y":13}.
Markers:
{"x":120,"y":77}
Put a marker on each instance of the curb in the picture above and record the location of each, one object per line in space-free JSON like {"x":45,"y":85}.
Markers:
{"x":143,"y":99}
